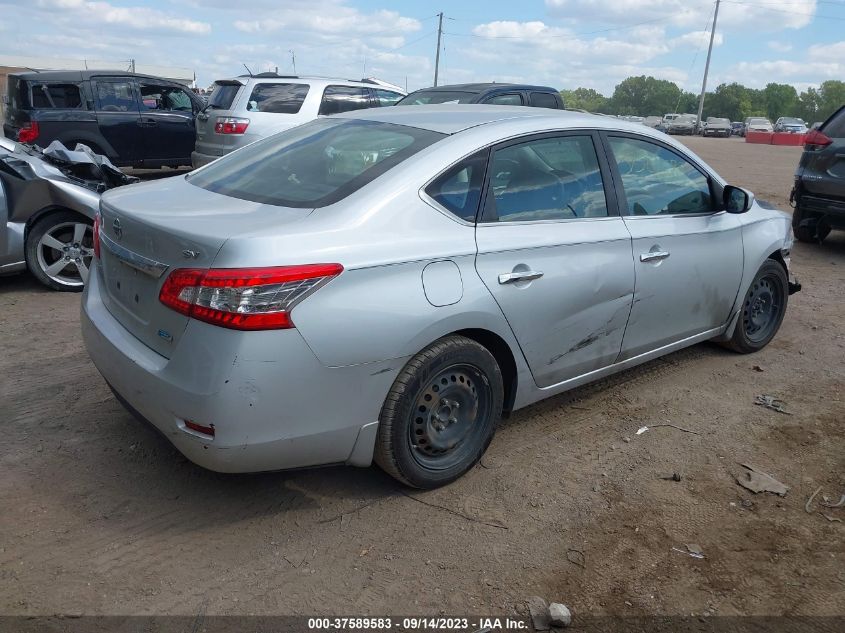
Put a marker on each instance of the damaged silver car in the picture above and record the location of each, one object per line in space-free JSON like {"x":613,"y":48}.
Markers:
{"x":48,"y":199}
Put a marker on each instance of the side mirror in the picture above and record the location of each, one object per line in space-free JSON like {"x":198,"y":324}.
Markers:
{"x":736,"y":200}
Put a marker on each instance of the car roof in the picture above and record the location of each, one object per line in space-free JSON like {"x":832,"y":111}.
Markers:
{"x":483,"y":87}
{"x":271,"y":77}
{"x":450,"y":119}
{"x":79,"y":75}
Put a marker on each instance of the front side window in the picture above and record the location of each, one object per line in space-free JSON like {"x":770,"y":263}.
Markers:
{"x":337,"y":99}
{"x":116,"y":96}
{"x":56,"y":96}
{"x":555,"y":178}
{"x":509,"y":99}
{"x":169,"y":98}
{"x":386,"y":97}
{"x":458,"y":189}
{"x":277,"y":98}
{"x":657,"y":181}
{"x":313,"y":165}
{"x":543,"y":100}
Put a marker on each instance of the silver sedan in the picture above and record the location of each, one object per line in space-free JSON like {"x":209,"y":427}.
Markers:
{"x":384,"y":285}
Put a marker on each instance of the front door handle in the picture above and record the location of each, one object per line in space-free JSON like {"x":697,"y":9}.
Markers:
{"x":522,"y":275}
{"x":654,"y":256}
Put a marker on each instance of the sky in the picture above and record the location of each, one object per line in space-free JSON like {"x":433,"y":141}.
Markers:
{"x":561,"y":43}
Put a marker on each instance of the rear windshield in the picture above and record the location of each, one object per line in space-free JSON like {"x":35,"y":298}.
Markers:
{"x":719,"y":121}
{"x":222,"y":96}
{"x":835,"y":125}
{"x":277,"y":98}
{"x":50,"y":95}
{"x":315,"y":164}
{"x":426,"y":97}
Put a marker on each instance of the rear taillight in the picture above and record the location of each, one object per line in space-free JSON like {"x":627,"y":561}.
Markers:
{"x":29,"y":132}
{"x":814,"y":139}
{"x":96,"y":237}
{"x":230,"y":125}
{"x":244,"y":298}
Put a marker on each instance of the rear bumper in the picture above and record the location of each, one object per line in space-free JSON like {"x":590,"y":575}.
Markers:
{"x":198,"y":159}
{"x":272,"y":404}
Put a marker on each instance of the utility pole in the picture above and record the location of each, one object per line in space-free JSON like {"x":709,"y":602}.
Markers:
{"x":437,"y":57}
{"x":293,"y":60}
{"x":707,"y":67}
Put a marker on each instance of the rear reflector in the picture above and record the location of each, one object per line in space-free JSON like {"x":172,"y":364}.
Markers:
{"x":244,"y":298}
{"x":96,"y":238}
{"x":814,"y":139}
{"x":230,"y":125}
{"x":29,"y":132}
{"x":200,"y":428}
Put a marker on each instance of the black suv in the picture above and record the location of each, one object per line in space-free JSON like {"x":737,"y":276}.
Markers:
{"x":491,"y":94}
{"x":819,"y":192}
{"x":135,"y":120}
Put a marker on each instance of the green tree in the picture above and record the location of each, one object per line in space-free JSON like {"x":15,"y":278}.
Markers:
{"x":809,"y":105}
{"x":781,"y":100}
{"x":585,"y":99}
{"x":831,"y":98}
{"x":732,"y":101}
{"x":645,"y":96}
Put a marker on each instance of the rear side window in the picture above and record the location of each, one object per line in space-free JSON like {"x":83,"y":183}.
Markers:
{"x":386,"y":97}
{"x":835,"y":126}
{"x":115,"y":96}
{"x":223,"y":95}
{"x":277,"y":98}
{"x":508,"y":99}
{"x":56,"y":96}
{"x":543,"y":100}
{"x":337,"y":99}
{"x":313,"y":165}
{"x":458,"y":189}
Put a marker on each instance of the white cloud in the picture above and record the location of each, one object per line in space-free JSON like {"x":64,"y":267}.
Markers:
{"x":732,"y":16}
{"x":340,"y":20}
{"x":696,"y":40}
{"x":780,"y":47}
{"x":140,"y":18}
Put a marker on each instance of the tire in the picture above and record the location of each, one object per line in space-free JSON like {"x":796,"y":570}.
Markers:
{"x":425,"y":446}
{"x":763,"y":308}
{"x":62,"y":236}
{"x":812,"y":233}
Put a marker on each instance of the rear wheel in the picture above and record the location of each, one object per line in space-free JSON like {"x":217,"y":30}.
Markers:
{"x":811,"y":229}
{"x":440,"y":414}
{"x":762,"y":310}
{"x":59,"y":249}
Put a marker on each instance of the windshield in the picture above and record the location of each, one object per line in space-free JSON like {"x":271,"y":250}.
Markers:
{"x":791,"y":121}
{"x":712,"y":121}
{"x":759,"y":122}
{"x":427,"y":97}
{"x":315,"y":164}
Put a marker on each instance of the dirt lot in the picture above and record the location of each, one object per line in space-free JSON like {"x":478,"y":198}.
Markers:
{"x":98,"y":515}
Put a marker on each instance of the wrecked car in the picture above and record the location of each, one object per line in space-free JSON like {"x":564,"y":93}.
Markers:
{"x":48,"y":199}
{"x":382,"y":285}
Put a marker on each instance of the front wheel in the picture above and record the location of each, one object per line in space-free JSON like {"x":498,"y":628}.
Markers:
{"x":59,"y":250}
{"x":762,"y":310}
{"x":440,"y":414}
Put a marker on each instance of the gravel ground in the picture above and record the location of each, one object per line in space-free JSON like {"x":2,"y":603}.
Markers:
{"x":99,"y":515}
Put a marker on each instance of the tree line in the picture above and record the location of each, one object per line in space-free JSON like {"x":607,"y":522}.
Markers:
{"x":647,"y":96}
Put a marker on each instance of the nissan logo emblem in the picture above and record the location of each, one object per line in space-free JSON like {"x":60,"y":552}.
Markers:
{"x":118,"y":230}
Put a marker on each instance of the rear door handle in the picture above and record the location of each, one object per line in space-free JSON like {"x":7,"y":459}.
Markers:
{"x":523,"y":275}
{"x":654,"y":256}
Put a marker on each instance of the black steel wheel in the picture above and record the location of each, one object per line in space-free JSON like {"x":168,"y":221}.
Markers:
{"x":440,"y":414}
{"x":762,"y":310}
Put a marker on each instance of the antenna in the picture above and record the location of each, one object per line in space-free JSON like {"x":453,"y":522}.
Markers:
{"x":248,"y":70}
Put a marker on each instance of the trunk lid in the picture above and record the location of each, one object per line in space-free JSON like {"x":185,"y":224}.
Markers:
{"x":222,"y":103}
{"x":150,"y":229}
